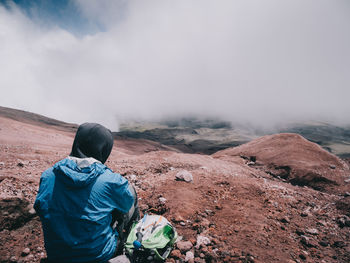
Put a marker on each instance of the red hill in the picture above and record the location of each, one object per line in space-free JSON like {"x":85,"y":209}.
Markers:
{"x":293,"y":158}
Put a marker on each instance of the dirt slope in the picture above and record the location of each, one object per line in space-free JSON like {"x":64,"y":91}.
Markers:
{"x":247,"y":214}
{"x":36,"y":119}
{"x":291,"y":157}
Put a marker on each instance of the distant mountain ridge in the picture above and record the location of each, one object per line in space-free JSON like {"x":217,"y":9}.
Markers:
{"x":208,"y":136}
{"x":191,"y":135}
{"x":196,"y":135}
{"x":33,"y":118}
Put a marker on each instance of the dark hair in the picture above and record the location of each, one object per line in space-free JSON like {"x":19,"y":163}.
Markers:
{"x":92,"y":140}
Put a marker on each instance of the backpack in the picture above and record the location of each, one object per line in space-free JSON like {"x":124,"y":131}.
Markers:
{"x":150,"y":239}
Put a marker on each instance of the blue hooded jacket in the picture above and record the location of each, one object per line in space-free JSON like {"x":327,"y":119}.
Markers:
{"x":75,"y":203}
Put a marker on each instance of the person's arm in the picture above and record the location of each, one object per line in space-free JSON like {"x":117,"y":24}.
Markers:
{"x":122,"y":222}
{"x":43,"y":188}
{"x":121,"y":194}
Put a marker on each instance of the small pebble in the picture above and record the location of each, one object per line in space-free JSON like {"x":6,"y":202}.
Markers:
{"x":202,"y":240}
{"x":324,"y":243}
{"x":178,"y":218}
{"x":176,"y":253}
{"x":303,"y":254}
{"x":162,"y":200}
{"x":184,"y":245}
{"x":312,"y":231}
{"x":189,"y":256}
{"x":285,"y":220}
{"x":25,"y":252}
{"x":305,"y":213}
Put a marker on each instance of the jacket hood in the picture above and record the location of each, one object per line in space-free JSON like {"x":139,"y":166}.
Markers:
{"x":78,"y":172}
{"x":92,"y":140}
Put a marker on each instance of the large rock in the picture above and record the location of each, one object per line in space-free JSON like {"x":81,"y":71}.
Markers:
{"x":293,"y":158}
{"x":16,"y":198}
{"x":15,"y":212}
{"x":184,"y":245}
{"x":344,"y":205}
{"x":184,"y":175}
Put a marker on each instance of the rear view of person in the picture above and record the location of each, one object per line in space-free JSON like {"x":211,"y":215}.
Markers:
{"x":79,"y":200}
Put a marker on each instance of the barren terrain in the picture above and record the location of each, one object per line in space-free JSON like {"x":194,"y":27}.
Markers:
{"x":279,"y":198}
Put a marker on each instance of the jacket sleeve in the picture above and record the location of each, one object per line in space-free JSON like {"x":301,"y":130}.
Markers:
{"x":43,"y":191}
{"x":120,"y":193}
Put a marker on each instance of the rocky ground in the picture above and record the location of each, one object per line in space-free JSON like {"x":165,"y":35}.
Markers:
{"x":239,"y":205}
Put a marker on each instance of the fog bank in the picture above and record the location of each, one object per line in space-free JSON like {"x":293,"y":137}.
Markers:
{"x":262,"y":62}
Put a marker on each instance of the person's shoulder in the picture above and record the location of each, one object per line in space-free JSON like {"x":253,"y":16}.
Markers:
{"x":49,"y":172}
{"x":111,"y":177}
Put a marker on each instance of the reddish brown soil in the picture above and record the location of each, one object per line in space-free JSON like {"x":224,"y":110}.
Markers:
{"x":249,"y":213}
{"x":295,"y":159}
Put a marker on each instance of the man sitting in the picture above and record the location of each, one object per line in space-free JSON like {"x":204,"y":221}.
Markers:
{"x":79,"y":198}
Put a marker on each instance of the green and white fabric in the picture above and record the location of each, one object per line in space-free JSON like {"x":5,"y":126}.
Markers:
{"x":158,"y":237}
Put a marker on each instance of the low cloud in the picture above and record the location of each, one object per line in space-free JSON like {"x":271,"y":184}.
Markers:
{"x":261,"y":62}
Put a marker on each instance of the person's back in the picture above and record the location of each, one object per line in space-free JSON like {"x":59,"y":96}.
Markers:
{"x":76,"y":199}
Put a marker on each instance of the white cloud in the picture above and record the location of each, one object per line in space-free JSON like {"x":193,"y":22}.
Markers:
{"x":251,"y":61}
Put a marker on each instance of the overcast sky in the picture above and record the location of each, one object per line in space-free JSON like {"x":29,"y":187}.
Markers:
{"x":247,"y":61}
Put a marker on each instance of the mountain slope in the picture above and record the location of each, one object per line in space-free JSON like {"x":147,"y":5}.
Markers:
{"x":293,"y":158}
{"x":195,"y":135}
{"x":248,"y":214}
